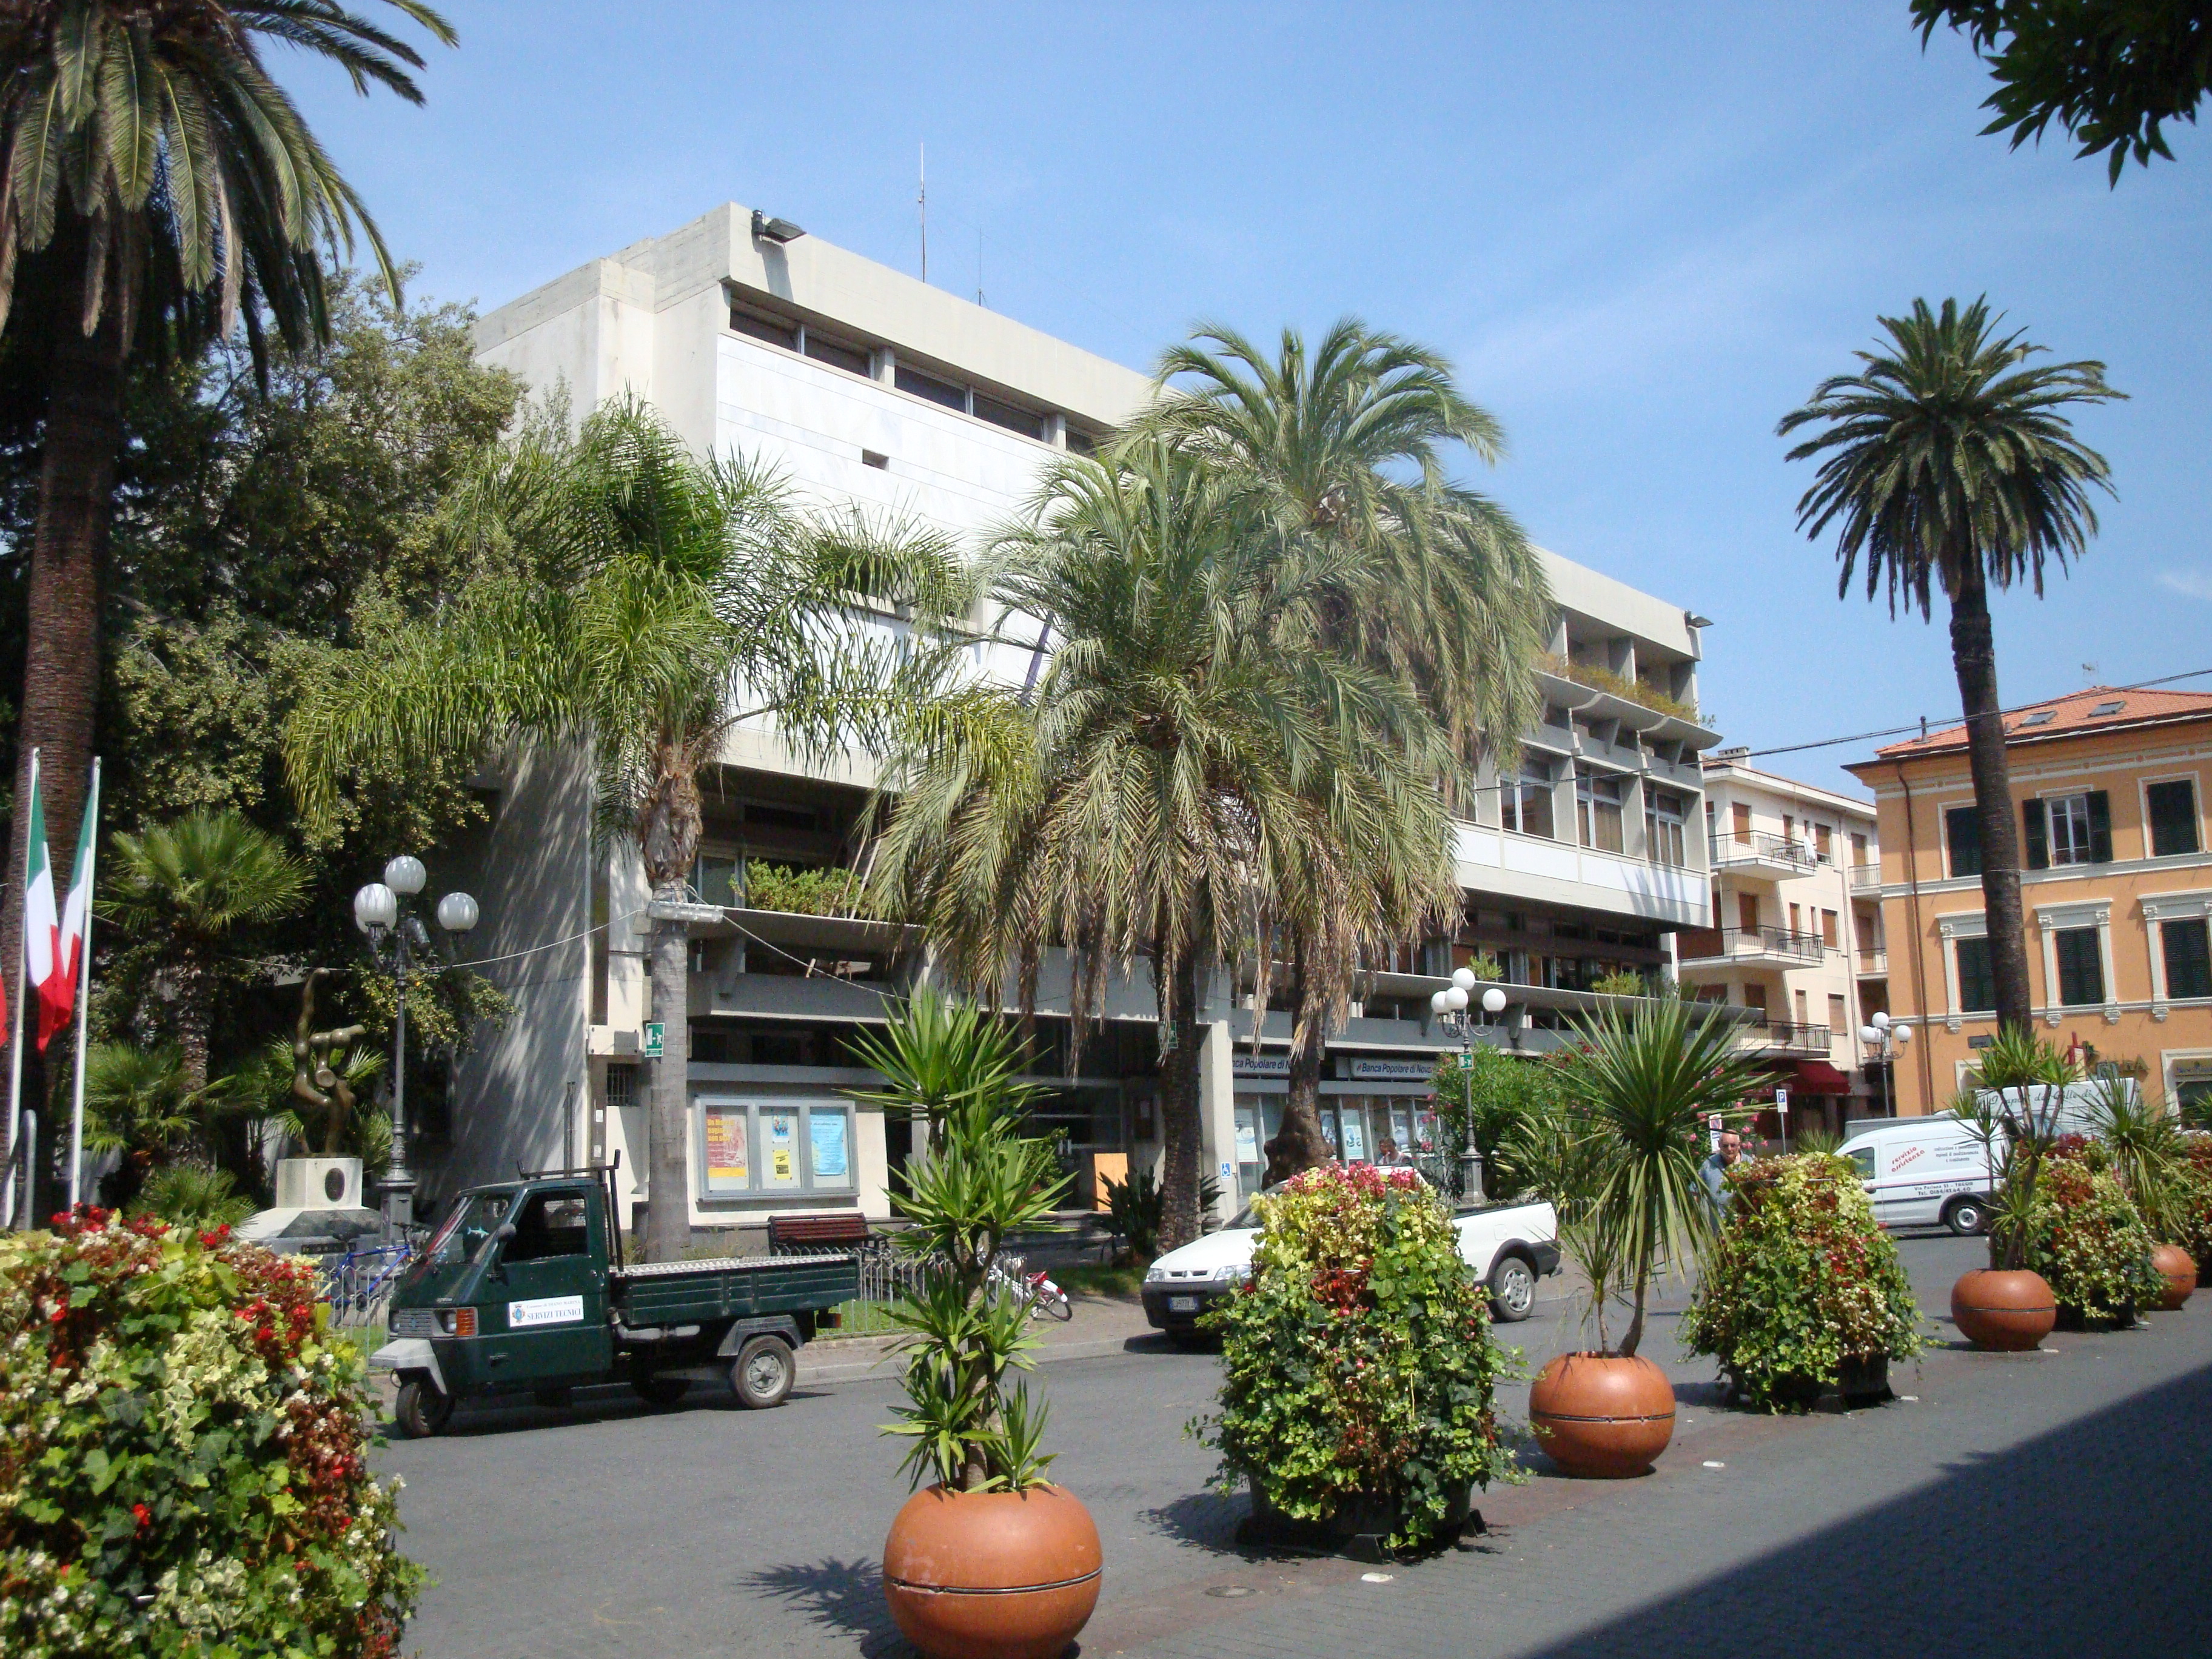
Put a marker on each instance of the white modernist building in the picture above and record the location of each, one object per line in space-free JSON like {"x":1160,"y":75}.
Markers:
{"x":865,"y":386}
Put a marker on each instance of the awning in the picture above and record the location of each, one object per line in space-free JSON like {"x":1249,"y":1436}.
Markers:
{"x":1817,"y":1077}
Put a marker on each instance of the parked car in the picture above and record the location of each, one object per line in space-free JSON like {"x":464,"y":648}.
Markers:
{"x":1925,"y":1172}
{"x":1510,"y":1246}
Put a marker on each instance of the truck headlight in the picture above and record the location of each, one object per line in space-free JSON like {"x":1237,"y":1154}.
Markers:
{"x":456,"y":1322}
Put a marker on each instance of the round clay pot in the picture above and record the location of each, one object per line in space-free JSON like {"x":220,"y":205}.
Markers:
{"x":2009,"y":1310}
{"x":991,"y":1575}
{"x":2179,"y":1270}
{"x":1600,"y":1415}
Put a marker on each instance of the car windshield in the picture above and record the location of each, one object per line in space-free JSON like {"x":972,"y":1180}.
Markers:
{"x":475,"y":1215}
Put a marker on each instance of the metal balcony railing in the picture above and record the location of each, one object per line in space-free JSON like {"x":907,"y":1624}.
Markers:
{"x":1874,"y":961}
{"x":1725,"y":944}
{"x":1758,"y":847}
{"x":1788,"y":1034}
{"x":1866,"y":877}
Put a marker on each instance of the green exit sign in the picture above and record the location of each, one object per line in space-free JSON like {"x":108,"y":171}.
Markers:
{"x":655,"y":1035}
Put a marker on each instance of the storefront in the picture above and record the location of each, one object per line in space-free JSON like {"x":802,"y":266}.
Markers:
{"x":1374,"y":1109}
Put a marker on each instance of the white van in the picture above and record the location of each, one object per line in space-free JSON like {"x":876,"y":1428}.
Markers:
{"x":1923,"y":1171}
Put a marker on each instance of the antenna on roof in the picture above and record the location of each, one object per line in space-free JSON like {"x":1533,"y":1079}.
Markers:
{"x":922,"y":202}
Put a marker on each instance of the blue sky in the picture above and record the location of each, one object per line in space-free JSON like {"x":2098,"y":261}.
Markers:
{"x":1642,"y":231}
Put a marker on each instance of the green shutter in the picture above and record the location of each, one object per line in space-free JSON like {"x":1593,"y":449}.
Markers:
{"x":2100,"y":827}
{"x":2039,"y":834}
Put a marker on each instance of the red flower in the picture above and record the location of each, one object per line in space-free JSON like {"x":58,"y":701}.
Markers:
{"x":145,"y":1516}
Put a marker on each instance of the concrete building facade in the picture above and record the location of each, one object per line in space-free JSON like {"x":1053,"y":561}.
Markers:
{"x":866,"y":388}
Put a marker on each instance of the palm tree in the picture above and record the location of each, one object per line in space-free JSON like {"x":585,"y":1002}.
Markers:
{"x":1947,"y":463}
{"x":1431,"y":585}
{"x":1639,"y":1088}
{"x":184,"y":893}
{"x":159,"y":188}
{"x":646,"y":602}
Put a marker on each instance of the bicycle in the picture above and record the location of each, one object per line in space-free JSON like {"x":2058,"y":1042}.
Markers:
{"x":359,"y":1284}
{"x":1046,"y":1300}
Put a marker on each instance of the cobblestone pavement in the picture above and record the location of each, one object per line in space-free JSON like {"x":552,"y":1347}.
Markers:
{"x":2019,"y":1505}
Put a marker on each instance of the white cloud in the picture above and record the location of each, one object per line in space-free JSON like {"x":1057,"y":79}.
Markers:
{"x":2194,"y":584}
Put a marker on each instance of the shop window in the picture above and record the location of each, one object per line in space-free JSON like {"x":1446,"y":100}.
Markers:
{"x":755,"y":1148}
{"x":1977,"y":981}
{"x":1962,"y":836}
{"x":2081,"y":967}
{"x":2173,"y":808}
{"x":2188,"y":958}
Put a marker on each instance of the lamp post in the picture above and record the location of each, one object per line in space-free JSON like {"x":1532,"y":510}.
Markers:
{"x":1449,"y":1006}
{"x":1885,"y":1036}
{"x":395,"y":934}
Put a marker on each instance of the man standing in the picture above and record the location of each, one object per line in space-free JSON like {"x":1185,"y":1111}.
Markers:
{"x":1714,"y":1170}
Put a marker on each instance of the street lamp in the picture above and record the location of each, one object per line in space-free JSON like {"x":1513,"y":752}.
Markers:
{"x":1886,"y":1036}
{"x":395,"y":934}
{"x":1449,"y":1007}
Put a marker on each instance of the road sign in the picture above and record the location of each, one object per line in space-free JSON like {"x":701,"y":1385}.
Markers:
{"x":1714,"y":1122}
{"x":655,"y":1032}
{"x":1782,"y":1100}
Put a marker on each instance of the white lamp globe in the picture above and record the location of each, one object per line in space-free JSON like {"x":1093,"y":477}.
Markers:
{"x":1493,"y":1001}
{"x":1463,"y":978}
{"x":1455,"y":999}
{"x":1900,"y":1033}
{"x":1440,"y":1003}
{"x":404,"y":876}
{"x":1870,"y":1034}
{"x":457,"y":912}
{"x":376,"y":906}
{"x":1880,"y":1022}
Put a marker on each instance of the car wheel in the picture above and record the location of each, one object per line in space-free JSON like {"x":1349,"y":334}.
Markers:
{"x":1512,"y":1289}
{"x":422,"y":1409}
{"x":763,"y":1373}
{"x":1967,"y":1216}
{"x":657,"y":1390}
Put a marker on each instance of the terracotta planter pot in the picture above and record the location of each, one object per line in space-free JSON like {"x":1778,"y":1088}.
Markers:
{"x":2179,"y":1270}
{"x":2010,"y":1311}
{"x":991,"y":1575}
{"x":1601,"y":1416}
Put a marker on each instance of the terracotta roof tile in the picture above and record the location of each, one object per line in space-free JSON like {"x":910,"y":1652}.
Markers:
{"x":2090,"y":710}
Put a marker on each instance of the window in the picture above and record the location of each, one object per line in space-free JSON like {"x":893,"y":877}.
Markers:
{"x":1829,"y":936}
{"x":551,"y":1225}
{"x":1597,"y":811}
{"x":2081,"y":967}
{"x":773,"y":329}
{"x":1796,"y":919}
{"x":1525,"y":804}
{"x":1802,"y":1010}
{"x":2172,"y":818}
{"x":768,"y":1146}
{"x":1747,"y":912}
{"x":621,"y":1087}
{"x":1823,"y":844}
{"x":1005,"y":415}
{"x":1962,"y":835}
{"x":1858,"y":849}
{"x":876,"y":458}
{"x":2112,"y":708}
{"x":714,"y":877}
{"x":2068,"y":830}
{"x":2188,"y":958}
{"x":2040,"y":717}
{"x":929,"y":386}
{"x":851,"y":359}
{"x":1662,"y":828}
{"x":1978,"y":982}
{"x":1740,"y":822}
{"x":1838,"y":1020}
{"x":1863,"y":1158}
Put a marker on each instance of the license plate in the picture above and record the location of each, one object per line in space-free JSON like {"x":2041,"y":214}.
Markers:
{"x":1183,"y":1304}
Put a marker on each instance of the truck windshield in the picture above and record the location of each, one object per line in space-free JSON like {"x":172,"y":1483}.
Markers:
{"x":468,"y":1226}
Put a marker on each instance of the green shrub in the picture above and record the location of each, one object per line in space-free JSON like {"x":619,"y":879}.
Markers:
{"x":831,"y":892}
{"x":2193,"y":1203}
{"x":2086,"y":1238}
{"x":192,"y":1195}
{"x":1356,"y":1361}
{"x":182,"y":1456}
{"x":1803,"y":1277}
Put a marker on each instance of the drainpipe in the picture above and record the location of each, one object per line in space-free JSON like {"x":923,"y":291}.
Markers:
{"x":1919,"y":964}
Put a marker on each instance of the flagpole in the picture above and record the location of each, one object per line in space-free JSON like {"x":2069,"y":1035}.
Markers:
{"x":16,"y":1059}
{"x":91,"y":842}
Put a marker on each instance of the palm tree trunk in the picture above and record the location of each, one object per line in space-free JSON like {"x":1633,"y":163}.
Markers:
{"x":195,"y":1016}
{"x":1300,"y":1144}
{"x":1974,"y":658}
{"x":1179,"y":1108}
{"x":668,"y":838}
{"x":1629,"y":1342}
{"x":61,"y":666}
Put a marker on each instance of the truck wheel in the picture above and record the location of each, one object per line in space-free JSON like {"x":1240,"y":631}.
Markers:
{"x":1512,"y":1289}
{"x":763,"y":1372}
{"x":422,"y":1408}
{"x":1967,"y":1216}
{"x":660,"y":1390}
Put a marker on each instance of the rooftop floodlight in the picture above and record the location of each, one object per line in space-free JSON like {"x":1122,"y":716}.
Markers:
{"x":1493,"y":1001}
{"x":457,"y":912}
{"x":405,"y":875}
{"x":779,"y":231}
{"x":1464,"y":978}
{"x":376,"y":906}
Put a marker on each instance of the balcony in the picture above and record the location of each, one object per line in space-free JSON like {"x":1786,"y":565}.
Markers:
{"x":1756,"y":854}
{"x":1790,"y":1036}
{"x":1873,"y":963}
{"x":1778,"y":946}
{"x":1866,"y":877}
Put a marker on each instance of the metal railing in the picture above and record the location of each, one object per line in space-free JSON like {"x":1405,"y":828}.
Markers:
{"x":1719,"y":944}
{"x":1874,"y":961}
{"x":1790,"y":1034}
{"x":1761,"y":846}
{"x":1866,"y":877}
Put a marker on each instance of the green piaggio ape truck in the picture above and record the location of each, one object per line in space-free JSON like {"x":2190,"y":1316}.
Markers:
{"x":523,"y":1291}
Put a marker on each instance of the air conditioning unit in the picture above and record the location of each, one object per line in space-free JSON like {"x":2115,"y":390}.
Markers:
{"x":319,"y":1184}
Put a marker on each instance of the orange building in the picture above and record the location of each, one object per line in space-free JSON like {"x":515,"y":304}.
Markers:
{"x":2117,"y":889}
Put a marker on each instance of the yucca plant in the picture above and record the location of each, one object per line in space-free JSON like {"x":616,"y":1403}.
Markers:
{"x":2014,"y":1114}
{"x":956,"y":1067}
{"x":2149,"y":1153}
{"x":1639,"y":1088}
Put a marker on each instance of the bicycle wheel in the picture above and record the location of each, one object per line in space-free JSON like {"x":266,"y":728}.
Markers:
{"x":1054,"y":1303}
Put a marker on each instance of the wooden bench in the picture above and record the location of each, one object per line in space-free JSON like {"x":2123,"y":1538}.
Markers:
{"x":806,"y":1235}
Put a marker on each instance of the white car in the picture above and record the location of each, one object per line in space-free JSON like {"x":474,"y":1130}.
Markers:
{"x":1510,"y":1246}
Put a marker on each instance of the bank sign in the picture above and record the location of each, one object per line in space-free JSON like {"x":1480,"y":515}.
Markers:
{"x":1392,"y":1071}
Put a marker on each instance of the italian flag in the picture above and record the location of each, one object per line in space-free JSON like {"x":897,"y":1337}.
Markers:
{"x":53,"y":942}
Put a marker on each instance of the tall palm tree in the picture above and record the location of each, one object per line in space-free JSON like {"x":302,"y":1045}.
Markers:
{"x":159,"y":188}
{"x":1947,"y":461}
{"x":1126,"y":804}
{"x":632,"y":596}
{"x":1341,"y":451}
{"x":183,"y":893}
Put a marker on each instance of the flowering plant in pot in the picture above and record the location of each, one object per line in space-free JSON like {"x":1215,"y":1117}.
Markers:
{"x":1357,"y":1366}
{"x":2192,"y":1200}
{"x":1639,"y":1088}
{"x":2149,"y":1156}
{"x":1804,"y":1288}
{"x":989,"y":1559}
{"x":2087,"y":1240}
{"x":2008,"y":1305}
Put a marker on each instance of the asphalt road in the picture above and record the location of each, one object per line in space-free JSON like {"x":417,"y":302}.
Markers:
{"x":2013,"y":1505}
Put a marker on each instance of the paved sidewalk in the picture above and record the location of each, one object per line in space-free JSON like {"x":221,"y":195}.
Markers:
{"x":1101,"y":1325}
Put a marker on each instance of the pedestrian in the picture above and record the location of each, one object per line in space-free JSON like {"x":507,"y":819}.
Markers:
{"x":1714,"y":1170}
